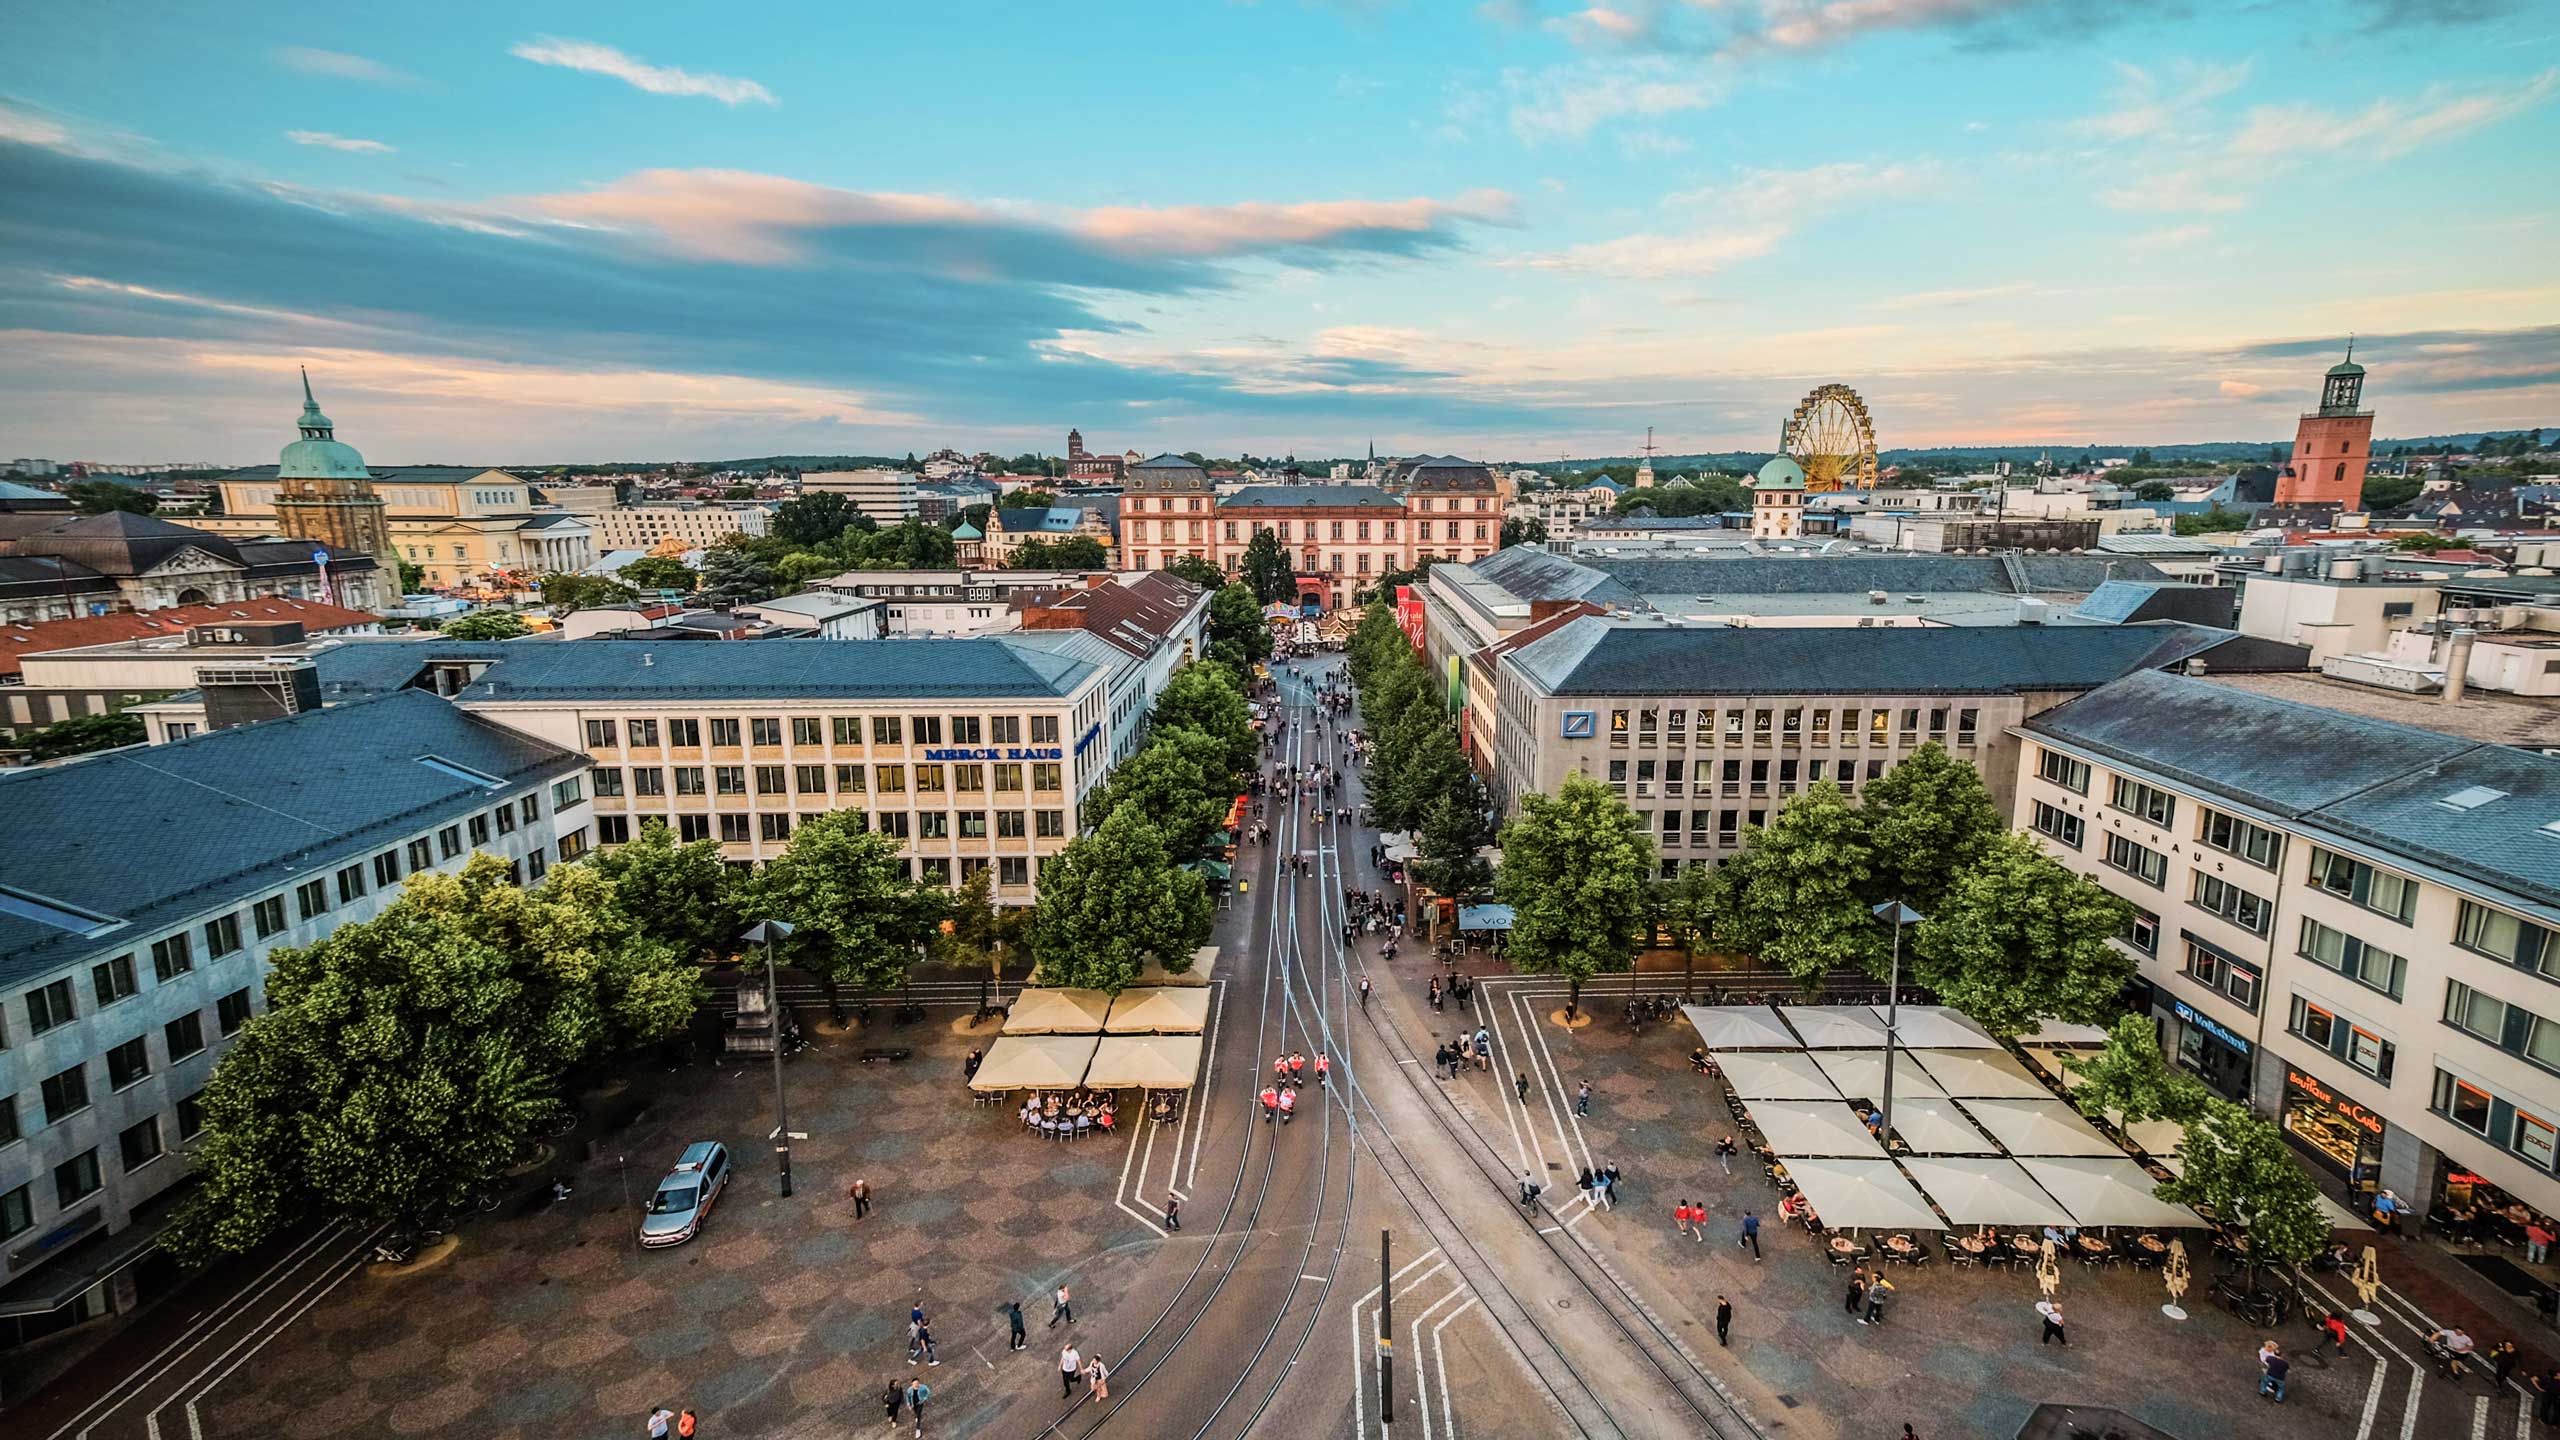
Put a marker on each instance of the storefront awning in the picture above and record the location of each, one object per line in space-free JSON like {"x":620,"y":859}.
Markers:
{"x":1862,"y":1195}
{"x":1776,"y":1075}
{"x":1740,"y":1027}
{"x":1034,"y":1062}
{"x":1484,"y":917}
{"x":1844,"y":1027}
{"x":1045,"y":1011}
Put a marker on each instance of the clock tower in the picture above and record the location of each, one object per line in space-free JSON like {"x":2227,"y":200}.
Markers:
{"x":2332,"y":445}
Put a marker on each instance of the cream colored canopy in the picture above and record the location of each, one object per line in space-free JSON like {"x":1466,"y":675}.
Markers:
{"x":1860,"y":1075}
{"x":1158,"y":1009}
{"x":1848,"y":1027}
{"x":1984,"y":1192}
{"x":1862,"y":1195}
{"x":2039,"y":1127}
{"x":1776,"y":1075}
{"x":1034,"y":1062}
{"x":1934,"y":1126}
{"x":1968,"y":1073}
{"x":1149,"y":1062}
{"x":1740,"y":1027}
{"x":1936,"y":1025}
{"x":1822,"y":1128}
{"x":1057,"y":1012}
{"x":2100,"y":1191}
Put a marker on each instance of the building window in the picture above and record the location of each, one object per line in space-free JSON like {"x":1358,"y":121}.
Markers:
{"x":933,"y":825}
{"x":232,"y":1011}
{"x":733,"y":828}
{"x":479,"y":824}
{"x":2142,"y":932}
{"x":724,"y":732}
{"x":690,"y":828}
{"x":351,"y":885}
{"x":386,"y":869}
{"x":2501,"y":936}
{"x":75,"y":1179}
{"x":775,"y":826}
{"x":311,"y":899}
{"x":2234,"y":836}
{"x":2234,"y":904}
{"x":565,"y":793}
{"x":2463,"y":1103}
{"x":608,"y":784}
{"x":2511,"y":1028}
{"x":2135,"y":798}
{"x":729,"y":779}
{"x":127,"y":1063}
{"x":2368,"y":965}
{"x":1013,"y":870}
{"x":9,"y":1132}
{"x":2059,"y":825}
{"x":892,"y":822}
{"x":17,"y":1213}
{"x":2139,"y":861}
{"x":114,"y":981}
{"x":1049,"y":824}
{"x":1044,"y":729}
{"x":267,"y":916}
{"x":2219,"y":972}
{"x":422,"y":855}
{"x":928,"y":729}
{"x":1047,"y":775}
{"x":765,"y":730}
{"x":175,"y":956}
{"x":1009,"y":825}
{"x":887,"y":730}
{"x":599,"y":734}
{"x":929,"y":780}
{"x":2063,"y":770}
{"x":851,"y":780}
{"x":613,"y":829}
{"x":530,"y":807}
{"x":2379,"y":891}
{"x":140,"y":1143}
{"x":892,"y":780}
{"x":184,"y":1035}
{"x":65,"y":1093}
{"x":770,"y":780}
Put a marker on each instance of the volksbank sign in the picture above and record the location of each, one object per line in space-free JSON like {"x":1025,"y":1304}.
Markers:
{"x":992,"y":752}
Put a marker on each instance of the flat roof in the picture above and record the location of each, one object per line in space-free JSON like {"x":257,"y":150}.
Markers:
{"x":2486,"y":717}
{"x":976,"y":668}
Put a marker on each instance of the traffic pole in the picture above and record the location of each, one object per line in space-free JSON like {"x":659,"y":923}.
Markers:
{"x":1386,"y":1338}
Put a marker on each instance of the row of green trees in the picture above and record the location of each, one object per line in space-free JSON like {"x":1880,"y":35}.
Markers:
{"x":1418,"y":778}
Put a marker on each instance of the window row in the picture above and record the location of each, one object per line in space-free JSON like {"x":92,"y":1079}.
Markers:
{"x":730,"y":731}
{"x":78,"y":1178}
{"x":1003,"y":777}
{"x":2476,"y":1110}
{"x":2237,"y":980}
{"x":776,"y":825}
{"x":66,"y":1093}
{"x":1794,"y":723}
{"x":2342,"y":1038}
{"x":1673,"y":777}
{"x":2511,"y":1028}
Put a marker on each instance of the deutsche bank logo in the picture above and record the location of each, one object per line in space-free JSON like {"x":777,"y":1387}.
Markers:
{"x":1580,"y":724}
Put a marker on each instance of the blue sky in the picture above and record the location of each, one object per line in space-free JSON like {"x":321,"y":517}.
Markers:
{"x":530,"y":233}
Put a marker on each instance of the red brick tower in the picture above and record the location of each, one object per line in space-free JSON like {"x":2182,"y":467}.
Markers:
{"x":2333,"y":444}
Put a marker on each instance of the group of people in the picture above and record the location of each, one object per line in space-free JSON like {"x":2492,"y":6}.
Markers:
{"x":1279,"y":1095}
{"x":1455,"y":1054}
{"x":1458,"y":987}
{"x":1077,"y":1109}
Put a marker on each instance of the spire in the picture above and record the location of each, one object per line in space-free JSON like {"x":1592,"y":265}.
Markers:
{"x":313,"y":425}
{"x":2351,"y":347}
{"x":310,"y":404}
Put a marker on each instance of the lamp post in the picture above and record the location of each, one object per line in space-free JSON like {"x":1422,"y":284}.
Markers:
{"x":1901,"y":915}
{"x":769,"y":931}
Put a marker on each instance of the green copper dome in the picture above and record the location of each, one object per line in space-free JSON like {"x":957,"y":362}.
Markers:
{"x":2346,"y":367}
{"x":318,"y":455}
{"x":1781,"y":473}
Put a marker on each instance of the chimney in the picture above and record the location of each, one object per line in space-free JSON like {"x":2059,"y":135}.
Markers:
{"x":2457,"y":663}
{"x":2195,"y":666}
{"x":2031,"y":611}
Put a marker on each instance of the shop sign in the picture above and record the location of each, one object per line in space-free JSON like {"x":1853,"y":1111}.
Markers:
{"x":996,"y":752}
{"x":2211,"y":1027}
{"x":2344,"y":1108}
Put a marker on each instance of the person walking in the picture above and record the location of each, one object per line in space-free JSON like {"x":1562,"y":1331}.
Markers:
{"x":686,"y":1425}
{"x":894,"y":1399}
{"x":861,"y":1193}
{"x":915,"y":1339}
{"x":1070,"y":1365}
{"x":1098,"y":1376}
{"x":1698,"y":1219}
{"x":1013,"y":1316}
{"x":1724,"y":1320}
{"x":1609,"y":1177}
{"x":1065,"y":1307}
{"x":1725,"y":1149}
{"x":1680,"y":1217}
{"x":2051,"y":1311}
{"x":2537,"y":1239}
{"x":2502,"y":1362}
{"x":1582,"y":1099}
{"x":1751,"y":1234}
{"x":2546,"y":1405}
{"x":659,"y":1419}
{"x":2334,"y":1325}
{"x":1520,"y":1083}
{"x":2274,"y":1366}
{"x":1878,"y":1290}
{"x":1173,"y":1212}
{"x":924,"y":1337}
{"x":1857,"y":1291}
{"x":1364,"y":992}
{"x":918,"y":1392}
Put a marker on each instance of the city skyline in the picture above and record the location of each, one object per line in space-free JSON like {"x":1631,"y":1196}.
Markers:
{"x":1511,"y":231}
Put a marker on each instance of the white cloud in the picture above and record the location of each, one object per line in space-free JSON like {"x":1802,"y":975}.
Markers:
{"x":1751,"y":216}
{"x":25,"y":128}
{"x":1651,"y":145}
{"x":338,"y":65}
{"x":2386,"y":127}
{"x":2173,"y":237}
{"x":1568,"y":102}
{"x":326,"y":141}
{"x":2145,"y":105}
{"x":2241,"y":389}
{"x":1944,"y":299}
{"x":1602,"y":24}
{"x":1657,"y":257}
{"x":595,"y":59}
{"x":2196,"y":190}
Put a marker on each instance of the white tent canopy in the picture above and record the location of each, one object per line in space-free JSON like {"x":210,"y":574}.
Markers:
{"x":2340,"y":1217}
{"x":2063,"y":1032}
{"x":1860,"y":1074}
{"x":1862,"y":1195}
{"x":1399,"y":845}
{"x":2039,"y":1127}
{"x":1851,"y":1027}
{"x":2108,"y":1192}
{"x":1813,"y":1127}
{"x":1776,"y":1075}
{"x":2050,"y":1060}
{"x":1034,"y":1062}
{"x":2152,"y":1137}
{"x":1740,"y":1027}
{"x":1057,"y":1012}
{"x":1203,"y":961}
{"x":1158,"y":1009}
{"x":1936,"y":1025}
{"x":1936,"y":1127}
{"x":1968,"y":1073}
{"x":1150,"y":1062}
{"x":1984,"y":1192}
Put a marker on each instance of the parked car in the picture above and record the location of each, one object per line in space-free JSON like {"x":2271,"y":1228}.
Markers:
{"x":683,"y":1199}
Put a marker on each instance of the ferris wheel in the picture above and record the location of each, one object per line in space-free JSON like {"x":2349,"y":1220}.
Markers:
{"x":1830,"y":435}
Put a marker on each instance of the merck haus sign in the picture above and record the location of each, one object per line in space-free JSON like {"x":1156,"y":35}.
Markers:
{"x":993,"y":752}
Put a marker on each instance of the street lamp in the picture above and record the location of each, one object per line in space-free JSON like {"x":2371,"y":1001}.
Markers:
{"x":1901,"y":915}
{"x":769,"y":931}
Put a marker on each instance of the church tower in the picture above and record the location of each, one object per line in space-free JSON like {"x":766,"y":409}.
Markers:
{"x":324,"y":492}
{"x":2333,"y":445}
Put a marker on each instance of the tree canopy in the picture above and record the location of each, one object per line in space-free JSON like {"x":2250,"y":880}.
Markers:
{"x":1196,"y":570}
{"x":1927,"y":819}
{"x":571,"y":593}
{"x":1111,"y":899}
{"x":101,"y":497}
{"x":2019,"y":937}
{"x":813,"y":519}
{"x":2240,"y":1165}
{"x":486,"y":625}
{"x":1208,"y":697}
{"x":83,"y":734}
{"x":1238,"y":637}
{"x":1071,"y":552}
{"x":659,"y":572}
{"x":2131,"y":1078}
{"x":1575,"y":866}
{"x":686,"y":895}
{"x":1266,"y":568}
{"x":1181,"y":781}
{"x":859,"y":919}
{"x":736,"y":574}
{"x":1796,"y":893}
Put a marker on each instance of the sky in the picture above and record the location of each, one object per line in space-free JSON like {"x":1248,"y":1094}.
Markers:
{"x":1513,"y":230}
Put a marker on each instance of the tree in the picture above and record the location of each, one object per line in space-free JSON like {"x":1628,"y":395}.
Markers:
{"x":101,"y":497}
{"x":571,"y":593}
{"x":2155,"y":490}
{"x":1111,"y":899}
{"x":2141,"y":459}
{"x":82,"y":734}
{"x":1574,"y":870}
{"x":685,"y":895}
{"x":2240,"y":1165}
{"x":406,"y":1060}
{"x":1926,"y":820}
{"x":1180,"y":781}
{"x":2131,"y":1079}
{"x":1206,"y":696}
{"x":413,"y":577}
{"x":2390,"y":492}
{"x":860,"y":919}
{"x":978,"y":932}
{"x":813,"y":519}
{"x":1796,"y":894}
{"x":1266,"y":568}
{"x":1523,"y":532}
{"x":2019,"y":937}
{"x":1238,"y":638}
{"x":1686,"y":904}
{"x":738,"y":492}
{"x":737,"y":575}
{"x":802,"y":566}
{"x":1028,"y":499}
{"x":2216,"y":521}
{"x":659,"y":572}
{"x":486,"y":625}
{"x":1452,"y":839}
{"x":1196,"y":570}
{"x":1080,"y":552}
{"x":1417,"y":763}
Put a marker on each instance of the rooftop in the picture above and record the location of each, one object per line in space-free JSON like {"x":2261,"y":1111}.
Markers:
{"x":2483,"y":811}
{"x":1278,"y":497}
{"x":170,"y":625}
{"x":117,"y":845}
{"x":991,"y":668}
{"x":2482,"y":716}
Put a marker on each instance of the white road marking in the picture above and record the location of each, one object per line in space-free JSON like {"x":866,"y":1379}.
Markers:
{"x":2373,"y":1398}
{"x":1440,"y":1363}
{"x":1360,"y":1341}
{"x":1421,"y":1386}
{"x":2480,"y":1418}
{"x":1209,"y":1076}
{"x":1319,"y":1279}
{"x":277,"y":1325}
{"x":2409,"y":1420}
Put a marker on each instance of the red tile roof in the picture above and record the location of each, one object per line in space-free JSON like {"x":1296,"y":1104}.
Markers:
{"x":316,"y":619}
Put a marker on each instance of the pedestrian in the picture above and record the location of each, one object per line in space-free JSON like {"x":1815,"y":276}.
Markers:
{"x":1876,"y":1295}
{"x":915,"y":1340}
{"x":1013,"y":1318}
{"x":2051,"y":1311}
{"x":1270,"y":1098}
{"x":1364,"y":992}
{"x":1857,"y":1291}
{"x":1520,"y":1083}
{"x":1070,"y":1365}
{"x":1698,"y":1218}
{"x":1582,"y":1099}
{"x":686,"y":1425}
{"x":1065,"y":1307}
{"x":2334,"y":1326}
{"x":1724,"y":1152}
{"x":1751,"y":1234}
{"x":658,"y":1420}
{"x":1908,"y":1433}
{"x":2546,"y":1406}
{"x":1680,"y":1216}
{"x":2271,"y":1360}
{"x":1724,"y":1320}
{"x":1098,"y":1375}
{"x":1173,"y":1212}
{"x":969,"y":1067}
{"x":2502,"y":1362}
{"x":861,"y":1193}
{"x":1435,"y":993}
{"x":1324,"y":1067}
{"x":1609,"y":1175}
{"x":894,"y":1399}
{"x":2537,"y":1239}
{"x":918,"y":1392}
{"x":924,"y":1337}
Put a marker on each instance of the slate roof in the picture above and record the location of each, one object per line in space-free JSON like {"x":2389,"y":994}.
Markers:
{"x":2126,"y":602}
{"x":1286,"y":497}
{"x":1656,"y":522}
{"x":1136,"y":617}
{"x":1600,"y":657}
{"x":1169,"y":463}
{"x":147,"y":837}
{"x":1529,"y":573}
{"x":1040,"y":520}
{"x":916,"y":669}
{"x":122,"y":543}
{"x":2380,"y":784}
{"x":1834,"y":574}
{"x":173,"y":623}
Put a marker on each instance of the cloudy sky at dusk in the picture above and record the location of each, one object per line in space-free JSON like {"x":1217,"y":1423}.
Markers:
{"x":1511,"y":229}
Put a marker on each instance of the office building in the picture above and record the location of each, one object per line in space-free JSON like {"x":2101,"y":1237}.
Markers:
{"x":952,"y":602}
{"x":691,"y":527}
{"x":888,"y":497}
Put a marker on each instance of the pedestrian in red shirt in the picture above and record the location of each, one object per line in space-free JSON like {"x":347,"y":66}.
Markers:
{"x":1680,"y":1216}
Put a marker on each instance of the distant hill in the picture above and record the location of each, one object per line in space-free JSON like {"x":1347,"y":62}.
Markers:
{"x":2208,"y":451}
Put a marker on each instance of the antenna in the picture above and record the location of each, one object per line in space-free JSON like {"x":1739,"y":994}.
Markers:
{"x":1649,"y":451}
